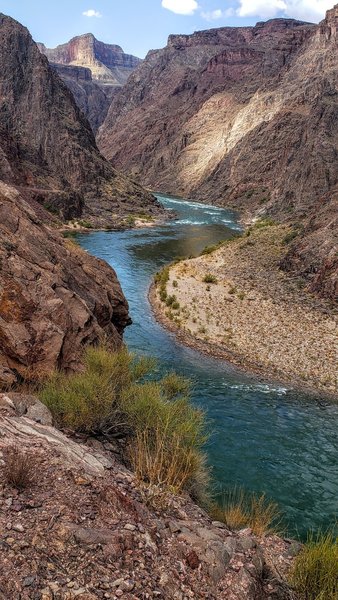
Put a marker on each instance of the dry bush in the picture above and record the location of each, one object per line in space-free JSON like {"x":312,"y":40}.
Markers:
{"x":19,"y":468}
{"x":239,"y":509}
{"x":162,"y":462}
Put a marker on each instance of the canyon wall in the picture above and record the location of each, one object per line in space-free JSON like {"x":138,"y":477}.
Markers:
{"x":47,"y":146}
{"x":242,"y":117}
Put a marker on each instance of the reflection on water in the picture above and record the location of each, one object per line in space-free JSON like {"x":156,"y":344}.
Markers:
{"x":264,"y":436}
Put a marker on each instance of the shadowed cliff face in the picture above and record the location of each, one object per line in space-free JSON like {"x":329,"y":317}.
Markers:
{"x":47,"y":145}
{"x":248,"y":118}
{"x":54,"y":297}
{"x":91,"y":99}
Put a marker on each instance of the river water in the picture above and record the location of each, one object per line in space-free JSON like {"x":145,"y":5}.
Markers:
{"x":265,"y":437}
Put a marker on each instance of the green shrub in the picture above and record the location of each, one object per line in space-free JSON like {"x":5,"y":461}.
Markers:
{"x":175,"y":284}
{"x":209,"y":278}
{"x":261,"y":223}
{"x":315,"y":571}
{"x":162,"y":277}
{"x":115,"y":395}
{"x":163,"y":295}
{"x":130,"y":220}
{"x":85,"y":224}
{"x":171,"y":300}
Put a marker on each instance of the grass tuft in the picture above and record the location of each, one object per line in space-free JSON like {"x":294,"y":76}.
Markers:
{"x":315,"y":571}
{"x":239,"y":509}
{"x":209,"y":278}
{"x":19,"y":467}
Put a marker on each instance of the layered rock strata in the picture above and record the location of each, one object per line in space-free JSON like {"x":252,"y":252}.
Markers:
{"x":93,"y":71}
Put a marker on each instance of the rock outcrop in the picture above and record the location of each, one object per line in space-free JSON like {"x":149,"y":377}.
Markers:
{"x":109,"y":69}
{"x":54,"y":297}
{"x":85,"y":528}
{"x":46,"y":144}
{"x":248,"y":118}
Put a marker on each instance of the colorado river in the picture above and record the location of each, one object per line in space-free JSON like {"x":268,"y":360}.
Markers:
{"x":264,"y":436}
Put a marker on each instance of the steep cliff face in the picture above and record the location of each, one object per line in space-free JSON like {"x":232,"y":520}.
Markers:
{"x":174,"y":121}
{"x":248,"y":118}
{"x":89,"y":97}
{"x":47,"y":145}
{"x":54,"y":297}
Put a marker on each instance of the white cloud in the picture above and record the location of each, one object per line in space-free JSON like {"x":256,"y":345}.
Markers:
{"x":92,"y":13}
{"x":215,"y":15}
{"x":181,"y":7}
{"x":308,"y":10}
{"x":261,"y":8}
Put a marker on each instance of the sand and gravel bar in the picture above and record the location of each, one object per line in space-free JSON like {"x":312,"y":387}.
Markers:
{"x":236,"y":303}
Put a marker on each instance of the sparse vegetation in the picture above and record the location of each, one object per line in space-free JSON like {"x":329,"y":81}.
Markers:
{"x":292,"y":234}
{"x":209,"y":278}
{"x":130,"y":220}
{"x":85,"y":224}
{"x":261,"y":223}
{"x":161,"y":279}
{"x":315,"y":574}
{"x":19,"y":467}
{"x":171,"y":300}
{"x":116,"y":396}
{"x":239,"y":509}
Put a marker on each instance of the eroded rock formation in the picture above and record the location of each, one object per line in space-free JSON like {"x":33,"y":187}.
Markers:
{"x":109,"y":69}
{"x":246,"y":117}
{"x":54,"y":297}
{"x":46,"y":144}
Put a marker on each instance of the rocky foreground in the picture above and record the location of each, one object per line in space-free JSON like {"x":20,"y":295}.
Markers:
{"x":237,"y":303}
{"x":85,"y":528}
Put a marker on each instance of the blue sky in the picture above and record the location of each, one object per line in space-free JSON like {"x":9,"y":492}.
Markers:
{"x":141,"y":25}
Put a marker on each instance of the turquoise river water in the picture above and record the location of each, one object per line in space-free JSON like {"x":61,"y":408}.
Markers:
{"x":265,"y":437}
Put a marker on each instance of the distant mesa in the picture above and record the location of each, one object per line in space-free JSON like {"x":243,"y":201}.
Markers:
{"x":109,"y":65}
{"x":93,"y":71}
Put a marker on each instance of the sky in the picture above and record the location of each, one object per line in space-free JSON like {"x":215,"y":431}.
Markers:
{"x":141,"y":25}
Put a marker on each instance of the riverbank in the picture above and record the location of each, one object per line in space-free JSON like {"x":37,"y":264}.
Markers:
{"x":236,"y":303}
